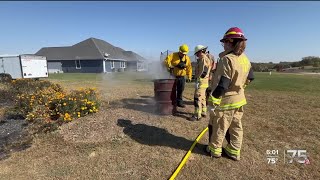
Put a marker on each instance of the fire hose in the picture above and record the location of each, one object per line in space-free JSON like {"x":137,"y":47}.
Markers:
{"x":185,"y":158}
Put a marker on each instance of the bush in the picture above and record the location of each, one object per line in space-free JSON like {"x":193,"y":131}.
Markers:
{"x":46,"y":103}
{"x":5,"y":78}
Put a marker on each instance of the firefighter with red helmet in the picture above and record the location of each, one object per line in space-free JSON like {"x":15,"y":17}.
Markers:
{"x":227,"y":96}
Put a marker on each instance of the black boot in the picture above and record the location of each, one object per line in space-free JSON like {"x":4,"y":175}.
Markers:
{"x":180,"y":104}
{"x":195,"y":118}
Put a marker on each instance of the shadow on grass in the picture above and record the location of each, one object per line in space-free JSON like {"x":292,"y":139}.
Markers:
{"x":154,"y":136}
{"x":146,"y":104}
{"x":184,"y":115}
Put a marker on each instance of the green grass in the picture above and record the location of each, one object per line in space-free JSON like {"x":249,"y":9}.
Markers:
{"x":306,"y":84}
{"x":76,"y":76}
{"x":119,"y":76}
{"x":291,"y":83}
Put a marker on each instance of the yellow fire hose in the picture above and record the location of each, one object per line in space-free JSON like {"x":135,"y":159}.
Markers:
{"x":185,"y":158}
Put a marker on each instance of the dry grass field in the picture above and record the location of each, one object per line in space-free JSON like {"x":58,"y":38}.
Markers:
{"x":126,"y":139}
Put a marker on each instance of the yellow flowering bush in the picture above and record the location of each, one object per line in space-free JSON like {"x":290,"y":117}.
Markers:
{"x":46,"y":101}
{"x":77,"y":103}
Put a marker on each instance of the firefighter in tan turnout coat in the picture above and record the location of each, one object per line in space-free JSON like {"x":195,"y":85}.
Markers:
{"x":202,"y":73}
{"x":227,"y":95}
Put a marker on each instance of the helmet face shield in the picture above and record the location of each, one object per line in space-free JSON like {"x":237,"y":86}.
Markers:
{"x":226,"y":40}
{"x":185,"y":53}
{"x":199,"y":48}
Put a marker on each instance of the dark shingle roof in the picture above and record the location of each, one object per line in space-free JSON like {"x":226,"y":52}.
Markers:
{"x":91,"y":48}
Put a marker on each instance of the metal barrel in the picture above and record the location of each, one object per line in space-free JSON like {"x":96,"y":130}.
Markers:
{"x":165,"y":96}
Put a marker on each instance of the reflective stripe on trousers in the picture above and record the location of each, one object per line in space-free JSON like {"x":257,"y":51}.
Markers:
{"x":232,"y":151}
{"x":233,"y":105}
{"x":216,"y":151}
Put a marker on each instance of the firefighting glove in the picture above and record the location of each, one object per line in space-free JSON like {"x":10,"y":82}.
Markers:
{"x":170,"y":70}
{"x":197,"y":85}
{"x":205,"y":72}
{"x":247,"y":83}
{"x":208,"y":91}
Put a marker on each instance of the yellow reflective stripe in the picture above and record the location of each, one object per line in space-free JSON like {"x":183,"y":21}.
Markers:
{"x":216,"y":151}
{"x":197,"y":111}
{"x":245,"y":63}
{"x":234,"y":105}
{"x":233,"y":32}
{"x":233,"y":152}
{"x":204,"y":109}
{"x":204,"y":85}
{"x":214,"y":100}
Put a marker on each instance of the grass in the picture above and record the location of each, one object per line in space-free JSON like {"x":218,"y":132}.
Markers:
{"x":126,"y":140}
{"x":120,"y":76}
{"x":282,"y":82}
{"x":293,"y":83}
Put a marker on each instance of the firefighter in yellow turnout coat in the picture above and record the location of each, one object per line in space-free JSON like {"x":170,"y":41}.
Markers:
{"x":231,"y":77}
{"x":179,"y":65}
{"x":202,"y":73}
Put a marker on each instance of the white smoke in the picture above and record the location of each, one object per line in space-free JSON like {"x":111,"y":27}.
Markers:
{"x":157,"y":70}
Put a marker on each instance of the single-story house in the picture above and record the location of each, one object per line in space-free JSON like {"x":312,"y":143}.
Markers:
{"x":91,"y":56}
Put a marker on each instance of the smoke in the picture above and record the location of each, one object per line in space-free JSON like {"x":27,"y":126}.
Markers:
{"x":157,"y":70}
{"x":108,"y":82}
{"x":154,"y":63}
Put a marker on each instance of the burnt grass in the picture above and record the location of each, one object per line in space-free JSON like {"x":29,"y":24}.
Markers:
{"x":14,"y":137}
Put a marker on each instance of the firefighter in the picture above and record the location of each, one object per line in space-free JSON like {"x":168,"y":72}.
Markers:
{"x":227,"y":95}
{"x":179,"y":65}
{"x":202,"y":73}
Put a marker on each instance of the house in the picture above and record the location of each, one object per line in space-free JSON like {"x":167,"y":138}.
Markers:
{"x":91,"y":56}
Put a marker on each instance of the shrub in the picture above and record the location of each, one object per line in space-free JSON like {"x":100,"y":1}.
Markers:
{"x":48,"y":104}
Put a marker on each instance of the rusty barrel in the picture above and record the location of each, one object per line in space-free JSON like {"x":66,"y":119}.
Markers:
{"x":165,"y":96}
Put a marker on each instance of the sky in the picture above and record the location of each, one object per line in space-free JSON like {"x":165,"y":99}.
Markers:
{"x":276,"y":31}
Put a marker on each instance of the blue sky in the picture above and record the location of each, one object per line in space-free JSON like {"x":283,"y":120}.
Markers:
{"x":276,"y":31}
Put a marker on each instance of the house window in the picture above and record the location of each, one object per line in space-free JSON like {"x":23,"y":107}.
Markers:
{"x":122,"y":64}
{"x":78,"y":64}
{"x":112,"y":64}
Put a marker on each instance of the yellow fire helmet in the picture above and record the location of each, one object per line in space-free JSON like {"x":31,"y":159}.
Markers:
{"x":184,"y":49}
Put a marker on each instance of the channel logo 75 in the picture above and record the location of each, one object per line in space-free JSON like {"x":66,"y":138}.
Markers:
{"x":299,"y":156}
